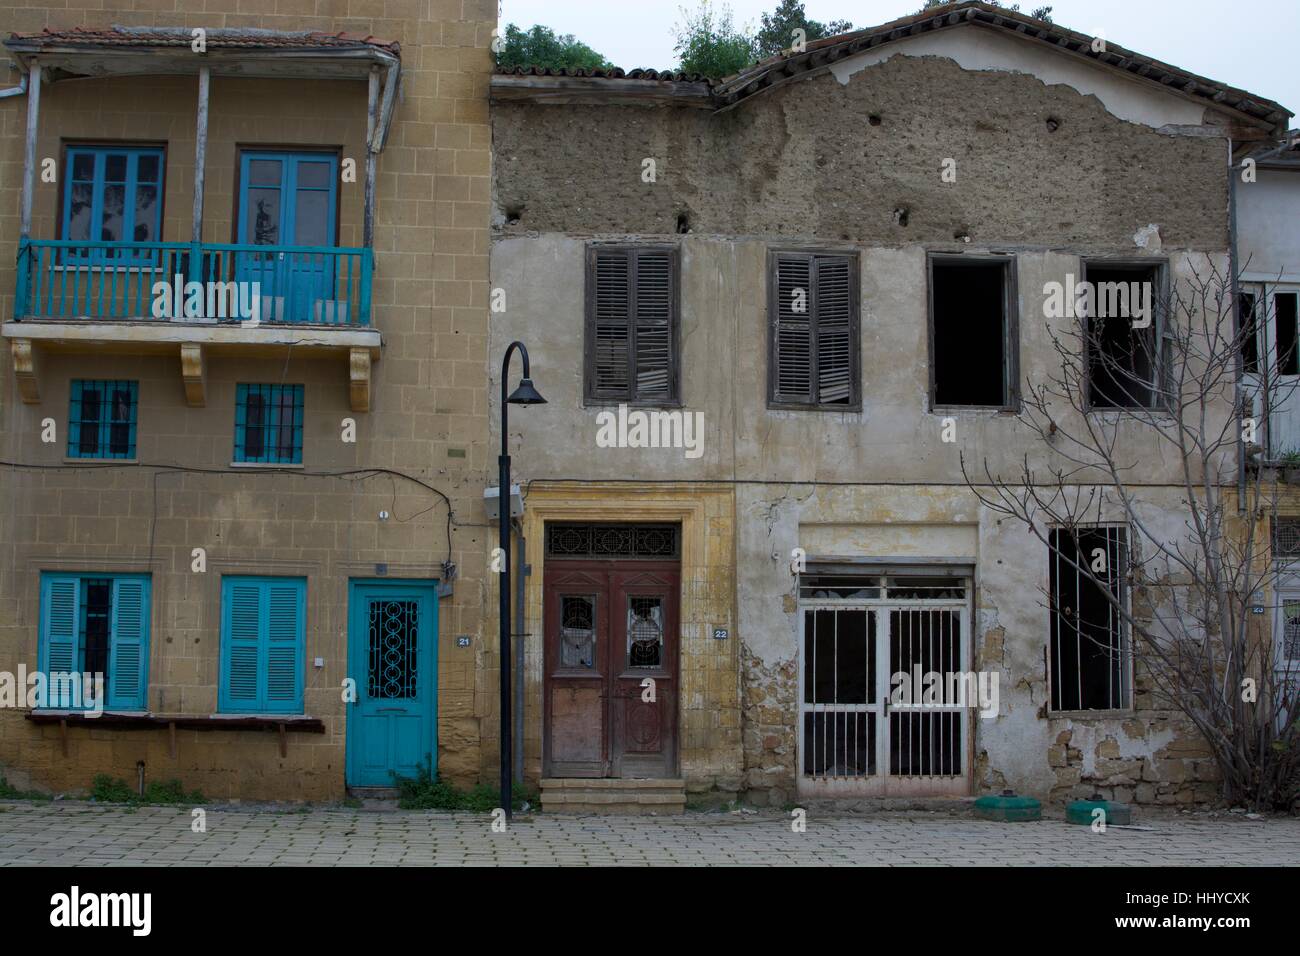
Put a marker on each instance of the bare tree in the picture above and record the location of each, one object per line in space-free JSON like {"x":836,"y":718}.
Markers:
{"x":1176,"y":383}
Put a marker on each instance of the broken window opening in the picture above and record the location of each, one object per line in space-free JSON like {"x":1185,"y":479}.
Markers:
{"x":1122,"y":343}
{"x":1089,"y":642}
{"x":972,"y":338}
{"x":1249,"y":334}
{"x":1288,"y":353}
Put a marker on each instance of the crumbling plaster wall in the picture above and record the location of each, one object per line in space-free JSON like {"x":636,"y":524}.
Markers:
{"x":804,"y":159}
{"x":1146,"y":755}
{"x":805,"y":165}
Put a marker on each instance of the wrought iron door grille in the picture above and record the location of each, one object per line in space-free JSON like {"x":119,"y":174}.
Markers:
{"x":612,"y":541}
{"x":393,"y":630}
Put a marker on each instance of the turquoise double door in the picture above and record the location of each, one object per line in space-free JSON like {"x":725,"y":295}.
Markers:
{"x":392,"y":725}
{"x":289,"y":202}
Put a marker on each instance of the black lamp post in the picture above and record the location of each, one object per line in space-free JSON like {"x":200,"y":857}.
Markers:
{"x":525,"y":394}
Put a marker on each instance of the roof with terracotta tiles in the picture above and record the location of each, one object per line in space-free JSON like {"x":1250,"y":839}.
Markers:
{"x":217,"y":38}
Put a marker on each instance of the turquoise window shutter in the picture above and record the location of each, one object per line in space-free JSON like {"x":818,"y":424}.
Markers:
{"x":60,"y":612}
{"x":128,"y":669}
{"x":284,"y":646}
{"x":263,"y":633}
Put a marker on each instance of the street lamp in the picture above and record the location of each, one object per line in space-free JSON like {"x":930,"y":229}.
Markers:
{"x":525,"y":394}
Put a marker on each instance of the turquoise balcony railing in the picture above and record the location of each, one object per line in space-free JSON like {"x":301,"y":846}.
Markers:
{"x":155,"y":281}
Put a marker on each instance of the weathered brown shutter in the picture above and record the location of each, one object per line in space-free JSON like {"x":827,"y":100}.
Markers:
{"x":632,"y":324}
{"x":834,"y":318}
{"x":611,"y":325}
{"x":653,"y":308}
{"x":792,"y":337}
{"x":814,"y":332}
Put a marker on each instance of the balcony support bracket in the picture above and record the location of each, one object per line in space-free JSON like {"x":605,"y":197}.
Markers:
{"x":359,"y":379}
{"x":25,"y":361}
{"x":194,"y":373}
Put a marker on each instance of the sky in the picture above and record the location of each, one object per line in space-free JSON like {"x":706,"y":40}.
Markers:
{"x":1250,"y":44}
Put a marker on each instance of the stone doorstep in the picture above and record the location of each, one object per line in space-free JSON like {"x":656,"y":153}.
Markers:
{"x":613,"y":795}
{"x":614,"y":798}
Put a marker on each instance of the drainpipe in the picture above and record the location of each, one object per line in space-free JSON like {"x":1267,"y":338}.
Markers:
{"x":18,"y":90}
{"x":1236,"y":332}
{"x":519,"y":656}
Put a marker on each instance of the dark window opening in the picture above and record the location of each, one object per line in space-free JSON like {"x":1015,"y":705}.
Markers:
{"x":97,"y":606}
{"x":255,"y":427}
{"x":1122,"y":359}
{"x":1088,"y":643}
{"x":1249,"y":334}
{"x":971,"y":335}
{"x":88,"y":443}
{"x":1288,"y":359}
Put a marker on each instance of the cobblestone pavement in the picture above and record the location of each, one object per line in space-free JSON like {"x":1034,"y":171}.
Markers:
{"x":79,"y":833}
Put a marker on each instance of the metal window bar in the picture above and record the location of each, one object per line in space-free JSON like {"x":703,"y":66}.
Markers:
{"x":1106,"y":636}
{"x":102,"y":418}
{"x":269,"y":424}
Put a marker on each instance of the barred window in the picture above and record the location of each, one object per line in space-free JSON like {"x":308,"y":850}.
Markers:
{"x":1089,"y":645}
{"x":611,"y":540}
{"x":101,"y":419}
{"x":268,"y":424}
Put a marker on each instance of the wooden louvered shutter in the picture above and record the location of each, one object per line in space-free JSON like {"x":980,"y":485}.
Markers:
{"x":284,"y":646}
{"x":242,"y":610}
{"x":610,"y":330}
{"x":653,"y":308}
{"x":792,"y":332}
{"x":834,"y":317}
{"x":129,"y":648}
{"x":60,"y":613}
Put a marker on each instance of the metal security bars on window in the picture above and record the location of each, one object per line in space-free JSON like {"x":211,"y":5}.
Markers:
{"x":1286,"y":537}
{"x":611,"y":541}
{"x":268,"y":424}
{"x":813,"y":345}
{"x":1089,"y":644}
{"x":101,"y":419}
{"x":632,"y":317}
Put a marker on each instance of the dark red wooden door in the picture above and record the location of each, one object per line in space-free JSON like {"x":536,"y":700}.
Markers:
{"x":611,"y":668}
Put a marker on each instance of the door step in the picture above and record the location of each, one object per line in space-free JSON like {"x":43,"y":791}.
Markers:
{"x":369,"y":794}
{"x":613,"y":796}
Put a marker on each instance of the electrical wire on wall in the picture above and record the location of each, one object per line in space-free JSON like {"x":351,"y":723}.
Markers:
{"x":350,"y":474}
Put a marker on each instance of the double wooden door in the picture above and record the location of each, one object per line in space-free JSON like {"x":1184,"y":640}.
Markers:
{"x":611,"y":684}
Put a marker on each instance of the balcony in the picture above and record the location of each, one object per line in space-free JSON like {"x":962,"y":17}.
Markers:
{"x":200,"y":299}
{"x":284,"y":284}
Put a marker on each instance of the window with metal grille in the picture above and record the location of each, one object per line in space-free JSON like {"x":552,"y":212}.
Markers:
{"x":1286,"y":537}
{"x":101,"y":419}
{"x":813,"y":336}
{"x":611,"y":541}
{"x":1089,"y":642}
{"x":632,"y":319}
{"x":92,"y":625}
{"x":268,"y":424}
{"x":974,"y":344}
